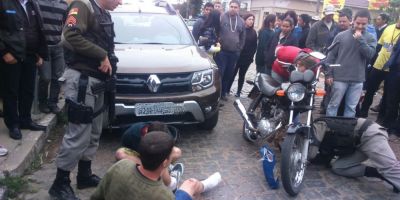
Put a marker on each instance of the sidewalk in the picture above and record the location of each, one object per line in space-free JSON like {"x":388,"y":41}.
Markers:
{"x":22,"y":152}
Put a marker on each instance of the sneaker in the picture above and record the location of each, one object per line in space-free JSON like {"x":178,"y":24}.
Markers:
{"x":177,"y":172}
{"x":3,"y":151}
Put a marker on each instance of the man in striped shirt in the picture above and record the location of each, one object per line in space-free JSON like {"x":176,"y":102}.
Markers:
{"x":53,"y":14}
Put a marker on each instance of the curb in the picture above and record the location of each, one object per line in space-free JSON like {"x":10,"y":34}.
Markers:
{"x":26,"y":150}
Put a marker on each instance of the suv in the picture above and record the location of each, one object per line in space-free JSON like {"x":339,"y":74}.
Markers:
{"x":162,"y":74}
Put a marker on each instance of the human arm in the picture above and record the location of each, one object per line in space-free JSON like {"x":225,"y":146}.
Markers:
{"x":242,"y":37}
{"x":196,"y":29}
{"x":76,"y":26}
{"x":331,"y":59}
{"x":312,"y":34}
{"x":367,"y":44}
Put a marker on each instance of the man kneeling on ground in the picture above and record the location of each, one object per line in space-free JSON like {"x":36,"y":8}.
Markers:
{"x":127,"y":180}
{"x":353,"y":141}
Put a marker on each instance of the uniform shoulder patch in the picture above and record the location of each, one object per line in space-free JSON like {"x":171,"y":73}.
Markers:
{"x":71,"y":21}
{"x":73,"y":11}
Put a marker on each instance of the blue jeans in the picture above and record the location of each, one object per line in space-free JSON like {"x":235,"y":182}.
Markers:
{"x":226,"y":62}
{"x":352,"y":90}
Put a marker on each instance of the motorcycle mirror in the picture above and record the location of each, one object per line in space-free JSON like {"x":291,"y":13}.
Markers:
{"x":318,"y":55}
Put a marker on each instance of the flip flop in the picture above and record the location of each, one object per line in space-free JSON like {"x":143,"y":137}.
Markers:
{"x":3,"y":151}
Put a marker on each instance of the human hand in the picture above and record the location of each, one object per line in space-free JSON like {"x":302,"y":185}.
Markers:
{"x":357,"y":34}
{"x":105,"y":66}
{"x":39,"y":61}
{"x":329,"y":81}
{"x":9,"y":59}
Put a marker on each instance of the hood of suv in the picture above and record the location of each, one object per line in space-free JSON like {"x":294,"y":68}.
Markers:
{"x":151,"y":58}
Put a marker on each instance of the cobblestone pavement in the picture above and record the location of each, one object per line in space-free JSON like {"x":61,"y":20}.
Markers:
{"x":224,"y":150}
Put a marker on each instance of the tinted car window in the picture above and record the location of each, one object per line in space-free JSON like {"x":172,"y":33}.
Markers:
{"x":143,"y":28}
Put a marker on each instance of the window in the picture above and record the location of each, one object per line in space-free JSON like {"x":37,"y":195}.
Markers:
{"x":145,"y":28}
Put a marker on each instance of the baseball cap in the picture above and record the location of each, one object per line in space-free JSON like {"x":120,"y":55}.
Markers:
{"x":329,"y":9}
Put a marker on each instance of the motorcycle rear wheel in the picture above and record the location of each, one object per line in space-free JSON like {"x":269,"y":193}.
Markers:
{"x":292,"y":168}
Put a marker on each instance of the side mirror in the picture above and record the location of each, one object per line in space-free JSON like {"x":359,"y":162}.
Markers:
{"x":317,"y":55}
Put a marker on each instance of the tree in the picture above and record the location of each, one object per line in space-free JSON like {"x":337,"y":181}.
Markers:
{"x":192,"y":9}
{"x":393,"y":10}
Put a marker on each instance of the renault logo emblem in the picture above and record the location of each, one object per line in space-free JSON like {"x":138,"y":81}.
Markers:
{"x":153,"y":83}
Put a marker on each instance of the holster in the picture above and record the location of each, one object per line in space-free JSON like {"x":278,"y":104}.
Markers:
{"x":78,"y":112}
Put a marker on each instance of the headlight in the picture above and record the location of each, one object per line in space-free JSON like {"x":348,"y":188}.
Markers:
{"x":202,"y":80}
{"x":296,"y":92}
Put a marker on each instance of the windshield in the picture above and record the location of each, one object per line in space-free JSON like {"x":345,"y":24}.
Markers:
{"x":146,"y":28}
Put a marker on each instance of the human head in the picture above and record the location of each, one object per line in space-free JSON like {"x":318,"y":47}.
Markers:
{"x":344,"y":22}
{"x":279,"y":19}
{"x":304,"y":20}
{"x":304,"y":61}
{"x":269,"y":21}
{"x":155,"y":149}
{"x":234,"y":7}
{"x":382,"y":19}
{"x":361,"y":20}
{"x":132,"y":136}
{"x":249,"y":20}
{"x":329,"y":11}
{"x":218,"y":6}
{"x":208,"y":7}
{"x":292,"y":15}
{"x":109,"y":4}
{"x":287,"y":26}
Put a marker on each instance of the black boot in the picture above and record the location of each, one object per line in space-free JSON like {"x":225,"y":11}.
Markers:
{"x":61,"y":188}
{"x":373,"y":172}
{"x":85,"y":178}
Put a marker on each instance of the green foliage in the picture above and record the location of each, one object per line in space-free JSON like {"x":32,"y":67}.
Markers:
{"x":393,"y":10}
{"x":14,"y":185}
{"x":192,"y":9}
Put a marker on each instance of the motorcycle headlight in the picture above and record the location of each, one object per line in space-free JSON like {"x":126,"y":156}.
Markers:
{"x":202,"y":80}
{"x":296,"y":92}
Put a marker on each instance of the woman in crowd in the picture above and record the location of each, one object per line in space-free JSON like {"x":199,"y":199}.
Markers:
{"x":303,"y":22}
{"x":247,"y":53}
{"x":282,"y":38}
{"x":291,"y":14}
{"x":264,"y":38}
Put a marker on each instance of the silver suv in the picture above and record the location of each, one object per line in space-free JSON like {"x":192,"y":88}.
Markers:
{"x":162,"y":74}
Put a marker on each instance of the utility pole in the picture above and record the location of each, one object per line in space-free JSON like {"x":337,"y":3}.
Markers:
{"x":318,"y":6}
{"x":187,"y":8}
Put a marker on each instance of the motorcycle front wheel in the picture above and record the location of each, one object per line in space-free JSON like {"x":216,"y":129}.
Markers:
{"x":292,"y":168}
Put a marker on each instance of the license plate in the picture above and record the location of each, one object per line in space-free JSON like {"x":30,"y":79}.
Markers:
{"x":154,"y":109}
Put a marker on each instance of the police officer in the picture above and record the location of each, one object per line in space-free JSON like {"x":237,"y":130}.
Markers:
{"x":88,"y":39}
{"x":354,"y":141}
{"x":22,"y":50}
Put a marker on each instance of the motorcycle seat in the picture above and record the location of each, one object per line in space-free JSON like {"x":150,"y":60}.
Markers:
{"x":268,"y":85}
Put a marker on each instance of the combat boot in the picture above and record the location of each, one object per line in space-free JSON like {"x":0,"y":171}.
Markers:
{"x":373,"y":172}
{"x":85,"y":178}
{"x":61,"y":188}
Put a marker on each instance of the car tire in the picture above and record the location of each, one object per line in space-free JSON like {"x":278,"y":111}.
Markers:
{"x":210,"y":123}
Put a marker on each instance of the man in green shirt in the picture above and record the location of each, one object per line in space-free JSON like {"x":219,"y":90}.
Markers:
{"x":127,"y":180}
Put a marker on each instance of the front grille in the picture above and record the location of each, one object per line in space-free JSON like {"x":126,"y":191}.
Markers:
{"x":137,"y":83}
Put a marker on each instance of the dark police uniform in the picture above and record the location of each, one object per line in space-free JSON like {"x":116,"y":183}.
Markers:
{"x":354,"y":141}
{"x":87,"y":38}
{"x":20,"y":35}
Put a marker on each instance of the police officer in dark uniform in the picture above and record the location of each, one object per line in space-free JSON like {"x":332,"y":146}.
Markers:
{"x":88,"y":39}
{"x":352,"y":141}
{"x":22,"y":49}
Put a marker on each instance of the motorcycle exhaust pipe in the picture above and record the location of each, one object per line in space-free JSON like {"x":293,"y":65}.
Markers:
{"x":242,"y":111}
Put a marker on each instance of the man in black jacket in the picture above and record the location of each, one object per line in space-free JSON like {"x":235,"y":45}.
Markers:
{"x":22,"y":49}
